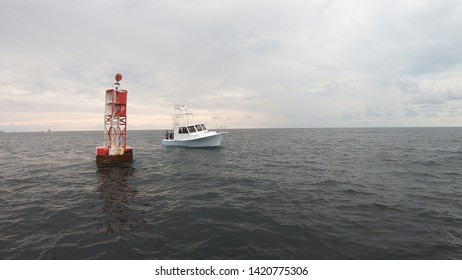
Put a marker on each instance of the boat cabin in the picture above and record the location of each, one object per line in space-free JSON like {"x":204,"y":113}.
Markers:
{"x":186,"y":132}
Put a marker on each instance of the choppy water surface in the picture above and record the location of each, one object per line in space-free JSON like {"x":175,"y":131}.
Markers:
{"x":265,"y":194}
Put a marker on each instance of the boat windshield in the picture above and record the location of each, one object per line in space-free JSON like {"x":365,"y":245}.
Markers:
{"x":191,"y":129}
{"x":182,"y":130}
{"x":198,"y":127}
{"x":203,"y":127}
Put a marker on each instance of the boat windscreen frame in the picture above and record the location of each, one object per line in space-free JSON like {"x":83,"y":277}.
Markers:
{"x":191,"y":130}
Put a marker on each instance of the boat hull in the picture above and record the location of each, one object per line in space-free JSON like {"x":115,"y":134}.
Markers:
{"x":200,"y":142}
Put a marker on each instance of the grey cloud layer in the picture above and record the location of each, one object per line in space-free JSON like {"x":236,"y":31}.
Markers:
{"x":252,"y":63}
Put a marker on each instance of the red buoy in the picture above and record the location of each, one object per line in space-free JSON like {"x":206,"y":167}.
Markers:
{"x":114,"y":149}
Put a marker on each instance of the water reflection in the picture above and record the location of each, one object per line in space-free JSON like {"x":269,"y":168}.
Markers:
{"x":119,"y":215}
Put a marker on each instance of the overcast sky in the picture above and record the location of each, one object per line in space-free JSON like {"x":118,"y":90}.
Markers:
{"x":237,"y":64}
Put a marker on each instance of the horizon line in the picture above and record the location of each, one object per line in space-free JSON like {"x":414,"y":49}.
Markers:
{"x":239,"y":128}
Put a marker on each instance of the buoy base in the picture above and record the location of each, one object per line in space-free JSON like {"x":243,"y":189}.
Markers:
{"x":103,"y":157}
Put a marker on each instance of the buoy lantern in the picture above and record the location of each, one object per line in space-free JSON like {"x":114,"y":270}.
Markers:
{"x":114,"y":149}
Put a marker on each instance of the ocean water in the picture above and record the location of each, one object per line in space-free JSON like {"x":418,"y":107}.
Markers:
{"x":372,"y":193}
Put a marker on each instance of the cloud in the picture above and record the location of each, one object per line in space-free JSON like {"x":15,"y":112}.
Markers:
{"x":437,"y":100}
{"x":285,"y":63}
{"x":437,"y":92}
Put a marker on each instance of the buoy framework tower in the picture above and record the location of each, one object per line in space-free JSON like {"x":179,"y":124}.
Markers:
{"x":114,"y":149}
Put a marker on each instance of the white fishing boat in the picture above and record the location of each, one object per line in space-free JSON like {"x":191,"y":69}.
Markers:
{"x":188,"y":133}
